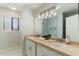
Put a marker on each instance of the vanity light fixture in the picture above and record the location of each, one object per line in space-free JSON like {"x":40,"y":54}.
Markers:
{"x":50,"y":15}
{"x":46,"y":14}
{"x":49,"y":12}
{"x":57,"y":7}
{"x":53,"y":12}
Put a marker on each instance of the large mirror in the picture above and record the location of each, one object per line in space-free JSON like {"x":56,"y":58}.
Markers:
{"x":65,"y":24}
{"x":50,"y":26}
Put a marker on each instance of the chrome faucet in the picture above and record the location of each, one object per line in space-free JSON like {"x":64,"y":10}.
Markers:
{"x":67,"y":39}
{"x":60,"y":40}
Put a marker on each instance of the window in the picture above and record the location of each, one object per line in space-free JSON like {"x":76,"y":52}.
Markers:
{"x":10,"y":23}
{"x":15,"y":24}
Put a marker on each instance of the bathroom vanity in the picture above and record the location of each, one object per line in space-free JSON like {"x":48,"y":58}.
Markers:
{"x":37,"y":46}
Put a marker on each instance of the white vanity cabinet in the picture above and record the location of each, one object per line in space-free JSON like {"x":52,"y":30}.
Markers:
{"x":43,"y":51}
{"x":35,"y":49}
{"x":29,"y":48}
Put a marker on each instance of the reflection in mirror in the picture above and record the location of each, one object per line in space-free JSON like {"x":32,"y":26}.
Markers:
{"x":50,"y":26}
{"x":64,"y":24}
{"x":71,"y":23}
{"x":57,"y":21}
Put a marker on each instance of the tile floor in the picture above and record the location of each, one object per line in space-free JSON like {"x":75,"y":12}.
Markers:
{"x":11,"y":52}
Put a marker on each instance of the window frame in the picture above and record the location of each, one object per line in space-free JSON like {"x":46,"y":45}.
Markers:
{"x":11,"y":29}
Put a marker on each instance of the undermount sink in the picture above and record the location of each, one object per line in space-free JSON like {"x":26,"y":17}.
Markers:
{"x":59,"y":45}
{"x":41,"y":38}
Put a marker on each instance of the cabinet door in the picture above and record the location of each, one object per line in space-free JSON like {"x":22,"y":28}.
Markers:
{"x":25,"y":41}
{"x":32,"y":45}
{"x":43,"y":51}
{"x":27,"y":47}
{"x":30,"y":48}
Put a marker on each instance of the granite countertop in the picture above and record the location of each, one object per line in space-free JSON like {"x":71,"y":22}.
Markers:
{"x":72,"y":50}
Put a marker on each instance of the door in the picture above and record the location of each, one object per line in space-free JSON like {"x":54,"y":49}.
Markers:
{"x":30,"y":48}
{"x":72,"y":27}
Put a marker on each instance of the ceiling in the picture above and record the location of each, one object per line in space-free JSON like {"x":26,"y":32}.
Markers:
{"x":36,"y":6}
{"x":32,"y":6}
{"x":68,"y":7}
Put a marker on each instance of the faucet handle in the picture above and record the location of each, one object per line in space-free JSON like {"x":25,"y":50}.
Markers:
{"x":60,"y":40}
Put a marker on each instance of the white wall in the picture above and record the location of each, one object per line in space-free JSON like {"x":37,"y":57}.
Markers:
{"x":38,"y":26}
{"x":10,"y":38}
{"x":27,"y":24}
{"x":26,"y":21}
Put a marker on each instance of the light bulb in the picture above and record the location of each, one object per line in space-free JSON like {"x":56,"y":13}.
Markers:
{"x":54,"y":14}
{"x":46,"y":14}
{"x":39,"y":16}
{"x":42,"y":15}
{"x":50,"y":15}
